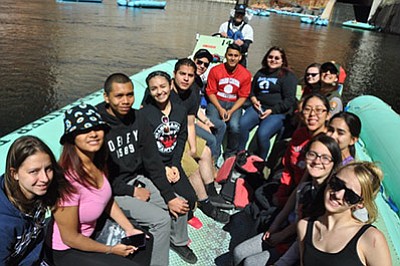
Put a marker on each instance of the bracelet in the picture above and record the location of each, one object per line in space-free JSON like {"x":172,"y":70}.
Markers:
{"x":109,"y":250}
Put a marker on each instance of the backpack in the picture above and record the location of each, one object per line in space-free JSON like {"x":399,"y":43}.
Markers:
{"x":239,"y":176}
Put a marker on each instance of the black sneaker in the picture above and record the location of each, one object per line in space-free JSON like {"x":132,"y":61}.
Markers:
{"x":185,"y":253}
{"x":220,"y":216}
{"x":219,"y":202}
{"x":214,"y":213}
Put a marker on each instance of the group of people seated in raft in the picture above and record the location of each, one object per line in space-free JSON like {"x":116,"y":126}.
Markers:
{"x":146,"y":170}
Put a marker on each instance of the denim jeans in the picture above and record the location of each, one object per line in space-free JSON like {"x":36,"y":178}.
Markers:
{"x":233,"y":128}
{"x":267,"y":128}
{"x":214,"y":140}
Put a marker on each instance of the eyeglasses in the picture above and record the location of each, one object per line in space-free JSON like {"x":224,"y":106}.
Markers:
{"x":325,"y":159}
{"x":312,"y":74}
{"x":318,"y":111}
{"x":199,"y":62}
{"x":350,"y":196}
{"x":276,"y":58}
{"x":165,"y":121}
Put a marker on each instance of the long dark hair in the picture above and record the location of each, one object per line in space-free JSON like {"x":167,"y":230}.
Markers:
{"x":316,"y":208}
{"x":285,"y":64}
{"x":354,"y":124}
{"x":72,"y":163}
{"x":331,"y":145}
{"x":19,"y":151}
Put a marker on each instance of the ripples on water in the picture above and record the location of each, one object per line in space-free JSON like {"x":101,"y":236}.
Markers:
{"x":54,"y":53}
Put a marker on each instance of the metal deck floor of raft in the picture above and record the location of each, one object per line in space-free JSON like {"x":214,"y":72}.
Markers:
{"x":209,"y":243}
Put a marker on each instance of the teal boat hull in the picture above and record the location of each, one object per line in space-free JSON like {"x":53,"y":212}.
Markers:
{"x":358,"y":25}
{"x":378,"y":142}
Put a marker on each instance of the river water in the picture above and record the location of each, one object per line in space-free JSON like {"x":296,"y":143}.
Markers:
{"x":53,"y":53}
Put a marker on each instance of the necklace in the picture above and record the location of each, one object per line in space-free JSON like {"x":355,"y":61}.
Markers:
{"x":165,"y":121}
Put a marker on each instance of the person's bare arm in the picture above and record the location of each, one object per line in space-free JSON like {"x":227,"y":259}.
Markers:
{"x":67,"y":222}
{"x":191,"y":135}
{"x":117,"y":215}
{"x":374,"y":248}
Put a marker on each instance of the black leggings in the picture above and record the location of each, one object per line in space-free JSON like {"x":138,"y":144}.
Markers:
{"x":184,"y":189}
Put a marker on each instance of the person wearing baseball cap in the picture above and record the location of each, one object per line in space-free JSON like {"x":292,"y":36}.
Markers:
{"x":329,"y":74}
{"x":238,"y":30}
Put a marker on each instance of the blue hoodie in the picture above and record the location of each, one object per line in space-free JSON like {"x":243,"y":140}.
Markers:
{"x":19,"y":243}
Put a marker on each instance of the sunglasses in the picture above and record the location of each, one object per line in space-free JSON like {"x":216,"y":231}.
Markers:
{"x":350,"y":196}
{"x":199,"y":62}
{"x":330,"y":70}
{"x":312,"y":74}
{"x":277,"y":58}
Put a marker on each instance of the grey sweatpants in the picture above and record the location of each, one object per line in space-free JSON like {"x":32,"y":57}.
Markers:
{"x":154,"y":214}
{"x":251,"y":252}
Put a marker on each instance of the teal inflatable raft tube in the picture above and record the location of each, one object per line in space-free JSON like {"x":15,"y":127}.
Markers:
{"x":50,"y":127}
{"x":142,"y":3}
{"x":379,"y":143}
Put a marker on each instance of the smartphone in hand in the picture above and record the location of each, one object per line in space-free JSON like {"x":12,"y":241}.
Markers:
{"x":138,"y":240}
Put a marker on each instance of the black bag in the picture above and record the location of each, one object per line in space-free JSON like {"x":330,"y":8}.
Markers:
{"x":239,"y":176}
{"x":261,"y":210}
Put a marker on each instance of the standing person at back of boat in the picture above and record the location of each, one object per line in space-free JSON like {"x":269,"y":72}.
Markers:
{"x":273,"y":95}
{"x":238,"y":30}
{"x":330,"y":85}
{"x":228,"y":87}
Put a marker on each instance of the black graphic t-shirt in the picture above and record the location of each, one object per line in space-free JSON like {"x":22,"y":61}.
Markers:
{"x":275,"y":92}
{"x":170,"y":132}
